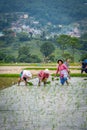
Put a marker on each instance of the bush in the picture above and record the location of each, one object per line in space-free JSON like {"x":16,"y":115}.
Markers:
{"x":84,"y":56}
{"x":52,"y":58}
{"x":35,"y":59}
{"x":7,"y":58}
{"x":23,"y":36}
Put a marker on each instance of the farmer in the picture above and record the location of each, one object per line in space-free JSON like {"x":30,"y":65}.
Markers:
{"x":63,"y":70}
{"x":67,"y":64}
{"x":84,"y":66}
{"x":24,"y":75}
{"x":43,"y":75}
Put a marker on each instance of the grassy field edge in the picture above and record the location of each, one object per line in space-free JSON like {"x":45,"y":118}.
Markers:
{"x":17,"y":75}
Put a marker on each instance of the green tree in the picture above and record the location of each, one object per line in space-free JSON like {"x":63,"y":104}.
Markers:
{"x":6,"y":57}
{"x":63,"y":41}
{"x":52,"y":57}
{"x":74,"y":44}
{"x":84,"y":56}
{"x":67,"y":55}
{"x":47,"y":48}
{"x":24,"y":54}
{"x":4,"y":24}
{"x":31,"y":35}
{"x":23,"y":36}
{"x":9,"y":36}
{"x":35,"y":59}
{"x":43,"y":35}
{"x":9,"y":58}
{"x":83,"y":41}
{"x":2,"y":56}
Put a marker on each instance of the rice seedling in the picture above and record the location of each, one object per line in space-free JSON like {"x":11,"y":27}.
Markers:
{"x":52,"y":78}
{"x":48,"y":82}
{"x":57,"y":79}
{"x":30,"y":83}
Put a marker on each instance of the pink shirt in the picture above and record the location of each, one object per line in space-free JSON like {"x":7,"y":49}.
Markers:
{"x":42,"y":75}
{"x":62,"y":69}
{"x":26,"y":74}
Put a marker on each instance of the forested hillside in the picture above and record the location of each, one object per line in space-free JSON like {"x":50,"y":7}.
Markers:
{"x":28,"y":26}
{"x":55,"y":11}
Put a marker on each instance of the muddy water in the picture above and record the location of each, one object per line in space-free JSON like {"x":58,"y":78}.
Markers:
{"x":53,"y":107}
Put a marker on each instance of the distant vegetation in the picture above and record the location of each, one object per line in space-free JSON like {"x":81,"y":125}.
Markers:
{"x":55,"y":11}
{"x":50,"y":16}
{"x":12,"y":49}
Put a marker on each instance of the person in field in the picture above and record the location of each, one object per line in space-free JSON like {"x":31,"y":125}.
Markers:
{"x":67,"y":64}
{"x":62,"y":69}
{"x":84,"y":66}
{"x":25,"y":75}
{"x":43,"y":75}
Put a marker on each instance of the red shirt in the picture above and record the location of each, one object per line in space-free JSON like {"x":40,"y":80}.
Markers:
{"x":42,"y":75}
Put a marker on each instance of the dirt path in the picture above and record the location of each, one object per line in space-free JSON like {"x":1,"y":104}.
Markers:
{"x":17,"y":70}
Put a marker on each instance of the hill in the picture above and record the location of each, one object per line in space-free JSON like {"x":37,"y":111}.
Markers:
{"x":33,"y":22}
{"x":55,"y":11}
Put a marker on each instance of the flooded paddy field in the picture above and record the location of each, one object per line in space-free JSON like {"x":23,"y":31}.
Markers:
{"x":53,"y":107}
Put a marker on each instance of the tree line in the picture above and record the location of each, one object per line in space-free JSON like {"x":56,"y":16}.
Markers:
{"x":63,"y":42}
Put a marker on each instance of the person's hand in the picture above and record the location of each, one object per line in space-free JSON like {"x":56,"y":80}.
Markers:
{"x":68,"y":71}
{"x":69,"y":77}
{"x":44,"y":80}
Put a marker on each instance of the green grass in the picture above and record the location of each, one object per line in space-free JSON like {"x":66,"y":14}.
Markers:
{"x":6,"y":82}
{"x":9,"y":75}
{"x":28,"y":64}
{"x":42,"y":68}
{"x":34,"y":64}
{"x":17,"y":75}
{"x":74,"y":75}
{"x":78,"y":75}
{"x":14,"y":64}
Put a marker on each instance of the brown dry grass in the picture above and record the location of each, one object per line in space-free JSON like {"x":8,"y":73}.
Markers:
{"x":18,"y":69}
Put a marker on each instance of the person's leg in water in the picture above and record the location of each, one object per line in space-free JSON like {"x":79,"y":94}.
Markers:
{"x":45,"y":81}
{"x":67,"y":82}
{"x":25,"y":79}
{"x":39,"y":83}
{"x":63,"y":80}
{"x":66,"y":79}
{"x":86,"y":70}
{"x":82,"y":70}
{"x":20,"y":79}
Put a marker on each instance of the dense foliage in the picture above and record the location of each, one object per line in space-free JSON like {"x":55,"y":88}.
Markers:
{"x":22,"y":46}
{"x":47,"y":48}
{"x":55,"y":11}
{"x":35,"y":50}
